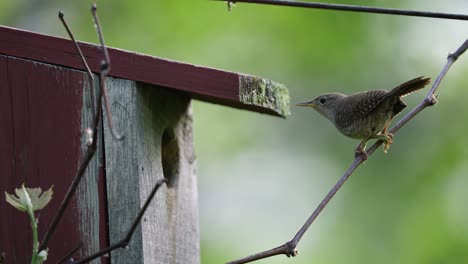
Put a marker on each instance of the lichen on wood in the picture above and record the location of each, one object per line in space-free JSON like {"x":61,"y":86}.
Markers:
{"x":263,"y":92}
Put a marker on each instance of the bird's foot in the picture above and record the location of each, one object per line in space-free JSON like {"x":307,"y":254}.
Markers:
{"x":361,"y":152}
{"x":387,"y":139}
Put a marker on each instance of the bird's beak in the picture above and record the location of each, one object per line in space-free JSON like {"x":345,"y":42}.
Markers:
{"x":309,"y":104}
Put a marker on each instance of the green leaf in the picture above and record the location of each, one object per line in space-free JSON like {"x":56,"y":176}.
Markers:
{"x":29,"y":198}
{"x":15,"y":202}
{"x":40,"y":199}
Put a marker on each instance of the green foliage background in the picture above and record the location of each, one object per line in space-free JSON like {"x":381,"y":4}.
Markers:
{"x":260,"y":176}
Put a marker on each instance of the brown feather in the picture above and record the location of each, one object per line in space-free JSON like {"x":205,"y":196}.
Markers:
{"x":409,"y":87}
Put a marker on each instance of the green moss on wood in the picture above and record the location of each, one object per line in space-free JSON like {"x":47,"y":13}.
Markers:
{"x":265,"y":93}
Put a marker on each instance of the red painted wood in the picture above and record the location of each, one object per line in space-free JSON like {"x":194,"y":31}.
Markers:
{"x":202,"y":83}
{"x":13,"y":228}
{"x":44,"y":138}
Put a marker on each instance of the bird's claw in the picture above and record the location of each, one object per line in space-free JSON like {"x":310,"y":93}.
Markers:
{"x":388,"y":140}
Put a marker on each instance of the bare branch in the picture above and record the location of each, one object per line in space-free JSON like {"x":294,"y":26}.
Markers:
{"x":281,"y":250}
{"x":69,"y":255}
{"x":85,"y":64}
{"x":76,"y":180}
{"x":289,"y":248}
{"x":124,"y":242}
{"x":353,"y":8}
{"x":106,"y":66}
{"x":91,"y":150}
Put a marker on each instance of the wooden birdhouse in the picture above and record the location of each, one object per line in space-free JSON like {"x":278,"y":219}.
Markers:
{"x":44,"y":109}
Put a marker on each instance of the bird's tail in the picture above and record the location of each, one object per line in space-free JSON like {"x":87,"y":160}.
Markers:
{"x":410,"y":86}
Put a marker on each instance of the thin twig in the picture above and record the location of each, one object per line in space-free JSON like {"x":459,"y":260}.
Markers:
{"x":105,"y":68}
{"x":90,"y":151}
{"x":106,"y":61}
{"x":88,"y":70}
{"x":69,"y":255}
{"x":289,"y":248}
{"x":353,"y":8}
{"x":76,"y":180}
{"x":124,"y":242}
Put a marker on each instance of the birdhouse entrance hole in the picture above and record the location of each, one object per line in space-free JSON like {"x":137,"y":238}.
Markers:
{"x":170,"y":156}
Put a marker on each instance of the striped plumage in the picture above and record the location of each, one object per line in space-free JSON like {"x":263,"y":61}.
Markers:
{"x":365,"y":115}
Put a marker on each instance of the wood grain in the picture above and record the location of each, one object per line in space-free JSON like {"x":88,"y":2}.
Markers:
{"x":11,"y":227}
{"x":90,"y":194}
{"x":157,"y":125}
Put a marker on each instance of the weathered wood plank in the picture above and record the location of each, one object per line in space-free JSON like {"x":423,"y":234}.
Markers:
{"x":157,"y":124}
{"x":89,"y":196}
{"x":208,"y":84}
{"x":46,"y":115}
{"x":122,"y":178}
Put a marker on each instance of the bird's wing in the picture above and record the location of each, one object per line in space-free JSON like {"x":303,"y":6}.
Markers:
{"x":359,"y":105}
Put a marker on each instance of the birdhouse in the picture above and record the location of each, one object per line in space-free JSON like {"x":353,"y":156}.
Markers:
{"x":44,"y":109}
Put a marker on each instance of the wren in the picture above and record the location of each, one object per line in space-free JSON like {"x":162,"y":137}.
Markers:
{"x":366,"y":115}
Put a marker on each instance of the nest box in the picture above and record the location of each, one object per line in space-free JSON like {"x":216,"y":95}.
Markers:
{"x":44,"y":108}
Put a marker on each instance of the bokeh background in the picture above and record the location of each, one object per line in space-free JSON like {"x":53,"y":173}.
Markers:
{"x":259,"y":176}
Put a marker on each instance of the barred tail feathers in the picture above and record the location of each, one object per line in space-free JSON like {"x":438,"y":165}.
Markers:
{"x":410,"y":86}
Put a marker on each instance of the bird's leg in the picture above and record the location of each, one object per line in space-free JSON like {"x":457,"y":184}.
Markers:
{"x":361,"y":149}
{"x":385,"y":136}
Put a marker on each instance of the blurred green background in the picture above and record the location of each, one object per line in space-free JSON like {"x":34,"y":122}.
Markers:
{"x":259,"y":176}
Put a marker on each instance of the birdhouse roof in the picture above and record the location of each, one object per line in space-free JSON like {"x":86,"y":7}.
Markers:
{"x":202,"y":83}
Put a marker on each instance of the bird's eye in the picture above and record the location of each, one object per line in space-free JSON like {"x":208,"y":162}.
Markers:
{"x":323,"y":100}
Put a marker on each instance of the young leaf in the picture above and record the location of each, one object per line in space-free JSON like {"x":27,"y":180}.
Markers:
{"x":29,"y":198}
{"x":15,"y":202}
{"x":40,"y":199}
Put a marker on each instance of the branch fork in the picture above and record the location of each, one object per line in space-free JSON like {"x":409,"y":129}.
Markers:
{"x":289,"y":248}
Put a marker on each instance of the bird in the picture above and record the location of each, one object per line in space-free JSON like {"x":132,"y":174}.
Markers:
{"x":366,"y":115}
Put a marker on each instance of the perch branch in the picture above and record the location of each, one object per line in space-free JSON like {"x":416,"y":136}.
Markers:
{"x":354,"y":8}
{"x":289,"y":248}
{"x":124,"y":242}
